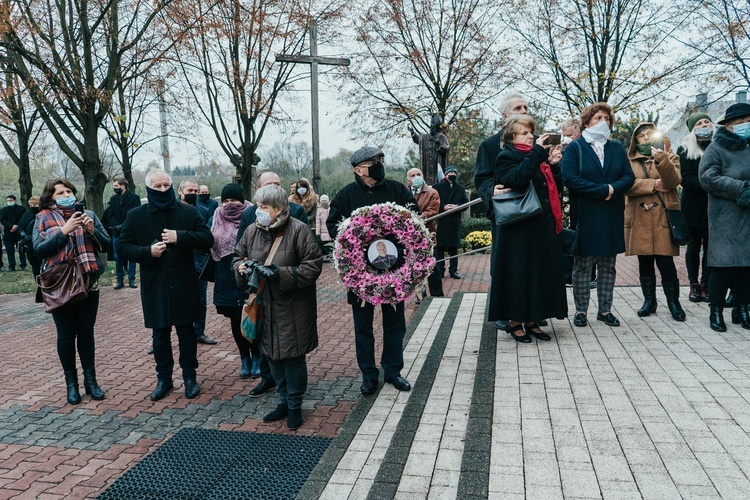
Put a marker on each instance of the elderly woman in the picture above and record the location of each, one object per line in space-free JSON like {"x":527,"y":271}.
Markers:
{"x":529,"y":260}
{"x":694,"y":201}
{"x":597,"y":174}
{"x":725,"y":175}
{"x":647,"y":232}
{"x":289,"y":325}
{"x":61,"y":232}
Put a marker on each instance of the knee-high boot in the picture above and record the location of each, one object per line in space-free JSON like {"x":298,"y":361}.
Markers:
{"x":648,"y":286}
{"x":672,"y":292}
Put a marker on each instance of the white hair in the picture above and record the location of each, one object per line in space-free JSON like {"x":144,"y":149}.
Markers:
{"x":505,"y":103}
{"x":157,"y":172}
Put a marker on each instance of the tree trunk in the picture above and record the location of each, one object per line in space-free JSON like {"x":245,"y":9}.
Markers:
{"x":24,"y":170}
{"x":95,"y":179}
{"x":127,"y":166}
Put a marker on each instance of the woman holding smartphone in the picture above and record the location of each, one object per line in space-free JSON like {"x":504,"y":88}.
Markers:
{"x":63,"y":230}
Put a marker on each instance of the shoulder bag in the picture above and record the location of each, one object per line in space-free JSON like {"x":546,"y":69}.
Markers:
{"x":62,"y":284}
{"x":252,"y":311}
{"x":515,"y":206}
{"x":679,"y":230}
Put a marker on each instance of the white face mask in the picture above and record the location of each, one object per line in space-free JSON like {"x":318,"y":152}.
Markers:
{"x":599,"y":132}
{"x":263,"y":217}
{"x":301,"y":191}
{"x":565,"y":140}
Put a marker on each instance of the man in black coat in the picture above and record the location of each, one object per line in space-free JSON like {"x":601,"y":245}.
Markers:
{"x":10,"y":216}
{"x":161,"y":236}
{"x":205,"y":201}
{"x":119,"y":205}
{"x":452,"y":194}
{"x":370,"y":187}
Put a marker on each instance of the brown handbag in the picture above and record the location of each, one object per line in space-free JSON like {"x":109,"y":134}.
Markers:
{"x":62,"y":284}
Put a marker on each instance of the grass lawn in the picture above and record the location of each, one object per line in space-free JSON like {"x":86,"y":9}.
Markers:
{"x":23,"y":281}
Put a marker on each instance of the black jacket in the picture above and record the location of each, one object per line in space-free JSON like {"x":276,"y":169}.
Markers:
{"x":119,"y":206}
{"x":694,"y":199}
{"x":169,"y":292}
{"x":449,"y":227}
{"x":484,"y":171}
{"x":9,"y":217}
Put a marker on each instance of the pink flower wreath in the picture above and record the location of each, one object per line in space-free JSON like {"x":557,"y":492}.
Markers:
{"x":385,"y":220}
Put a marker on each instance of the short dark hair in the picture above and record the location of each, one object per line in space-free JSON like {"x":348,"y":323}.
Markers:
{"x":49,"y":189}
{"x":588,"y":113}
{"x":122,"y":181}
{"x":12,"y":197}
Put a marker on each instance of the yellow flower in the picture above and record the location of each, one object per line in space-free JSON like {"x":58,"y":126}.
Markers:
{"x":479,"y":239}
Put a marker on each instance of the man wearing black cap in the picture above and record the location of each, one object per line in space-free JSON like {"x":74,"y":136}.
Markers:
{"x":370,"y":187}
{"x":452,"y":194}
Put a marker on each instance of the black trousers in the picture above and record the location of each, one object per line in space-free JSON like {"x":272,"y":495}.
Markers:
{"x":290,"y":376}
{"x":724,"y":277}
{"x":75,"y":328}
{"x":665,"y":263}
{"x":394,"y":329}
{"x":453,"y":262}
{"x":244,"y":346}
{"x":693,"y":260}
{"x":188,"y":342}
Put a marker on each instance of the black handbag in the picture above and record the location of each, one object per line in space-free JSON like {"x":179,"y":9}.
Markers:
{"x":208,"y":273}
{"x":679,"y":230}
{"x":515,"y":206}
{"x":569,"y":241}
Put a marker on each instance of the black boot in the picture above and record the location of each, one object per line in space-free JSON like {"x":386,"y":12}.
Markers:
{"x":280,"y":412}
{"x":716,"y":318}
{"x":740,"y":316}
{"x":245,"y":369}
{"x":71,"y":381}
{"x":672,"y":291}
{"x":119,"y":285}
{"x":648,"y":286}
{"x":294,"y":419}
{"x":730,"y":301}
{"x":696,"y":293}
{"x":89,"y":383}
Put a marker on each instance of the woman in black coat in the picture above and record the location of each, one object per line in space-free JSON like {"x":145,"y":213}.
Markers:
{"x":694,"y":203}
{"x":529,"y":261}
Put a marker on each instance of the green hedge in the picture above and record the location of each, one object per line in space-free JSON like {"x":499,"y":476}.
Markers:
{"x":474,"y":224}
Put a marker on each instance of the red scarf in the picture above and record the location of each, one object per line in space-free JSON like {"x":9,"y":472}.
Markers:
{"x":554,"y":195}
{"x":50,"y":222}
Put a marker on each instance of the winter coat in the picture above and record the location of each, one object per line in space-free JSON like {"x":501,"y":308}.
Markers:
{"x":646,"y":225}
{"x":484,"y":172}
{"x":725,"y":175}
{"x":209,"y":207}
{"x":428,"y":201}
{"x":9,"y":217}
{"x":449,"y":226}
{"x":26,"y":227}
{"x":320,"y":224}
{"x":694,"y":199}
{"x":226,"y":291}
{"x":248,"y":217}
{"x":119,"y":206}
{"x":289,"y":321}
{"x":529,"y":261}
{"x":169,"y":284}
{"x":599,"y":222}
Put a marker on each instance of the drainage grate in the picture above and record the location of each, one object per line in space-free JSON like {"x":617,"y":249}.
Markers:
{"x":212,"y":464}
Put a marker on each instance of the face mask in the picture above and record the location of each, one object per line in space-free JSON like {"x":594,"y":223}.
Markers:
{"x":599,"y":132}
{"x":118,"y":190}
{"x":301,"y":191}
{"x":160,"y":199}
{"x":263,"y":218}
{"x":190,"y":199}
{"x":66,"y":202}
{"x":375,"y":172}
{"x":34,"y":210}
{"x":703,"y":133}
{"x":417,"y":181}
{"x":452,"y":178}
{"x":743,"y":130}
{"x":645,"y":148}
{"x":565,"y":140}
{"x":10,"y":203}
{"x":204,"y":197}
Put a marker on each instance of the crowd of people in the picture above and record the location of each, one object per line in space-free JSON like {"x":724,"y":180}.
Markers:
{"x":275,"y":246}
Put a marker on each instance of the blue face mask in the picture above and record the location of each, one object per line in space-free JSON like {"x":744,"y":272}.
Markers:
{"x":417,"y":181}
{"x":743,"y":130}
{"x":263,"y":217}
{"x":66,"y":202}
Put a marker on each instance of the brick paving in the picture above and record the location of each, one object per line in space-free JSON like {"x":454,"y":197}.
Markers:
{"x":49,"y":449}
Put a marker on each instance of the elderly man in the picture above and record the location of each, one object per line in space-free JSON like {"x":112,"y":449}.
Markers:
{"x":370,"y":187}
{"x":162,"y":236}
{"x":428,"y":201}
{"x":120,"y":204}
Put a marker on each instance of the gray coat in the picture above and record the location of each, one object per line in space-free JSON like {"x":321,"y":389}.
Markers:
{"x":289,"y":325}
{"x":725,"y":174}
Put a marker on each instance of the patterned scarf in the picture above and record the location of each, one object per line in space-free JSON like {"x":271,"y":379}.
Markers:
{"x":224,"y":228}
{"x":50,"y":222}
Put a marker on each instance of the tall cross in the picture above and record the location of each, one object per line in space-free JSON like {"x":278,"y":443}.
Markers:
{"x":313,"y":60}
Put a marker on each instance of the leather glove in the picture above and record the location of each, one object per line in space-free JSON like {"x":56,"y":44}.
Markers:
{"x":270,"y":272}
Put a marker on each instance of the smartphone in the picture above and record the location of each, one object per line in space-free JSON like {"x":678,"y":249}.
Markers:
{"x":79,"y":207}
{"x":553,"y":139}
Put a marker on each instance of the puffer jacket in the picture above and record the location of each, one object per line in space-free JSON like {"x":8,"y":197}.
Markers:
{"x":646,"y":226}
{"x":289,"y":326}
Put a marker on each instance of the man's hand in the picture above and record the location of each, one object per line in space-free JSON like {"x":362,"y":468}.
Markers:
{"x":500,"y":189}
{"x":169,"y":236}
{"x":611,"y":192}
{"x":450,"y":206}
{"x":158,"y":248}
{"x":13,"y":229}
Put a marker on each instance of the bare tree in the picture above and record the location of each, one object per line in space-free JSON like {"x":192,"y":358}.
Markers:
{"x":614,"y":51}
{"x":417,"y":57}
{"x":286,"y":159}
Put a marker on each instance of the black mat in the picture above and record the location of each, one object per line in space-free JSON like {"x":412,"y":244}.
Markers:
{"x":212,"y":464}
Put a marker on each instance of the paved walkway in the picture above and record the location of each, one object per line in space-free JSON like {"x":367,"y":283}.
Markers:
{"x":652,"y":409}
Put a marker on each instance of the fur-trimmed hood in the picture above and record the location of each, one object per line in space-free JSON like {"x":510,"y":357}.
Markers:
{"x":729,"y":140}
{"x":633,"y":150}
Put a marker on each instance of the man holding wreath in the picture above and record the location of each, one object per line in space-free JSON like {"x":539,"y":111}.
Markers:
{"x":370,"y":187}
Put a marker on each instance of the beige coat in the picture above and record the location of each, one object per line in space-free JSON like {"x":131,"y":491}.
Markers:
{"x":646,"y":226}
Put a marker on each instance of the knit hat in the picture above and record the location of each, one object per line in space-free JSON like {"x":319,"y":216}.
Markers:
{"x":232,"y":191}
{"x":451,"y":169}
{"x":694,"y":118}
{"x":364,"y":154}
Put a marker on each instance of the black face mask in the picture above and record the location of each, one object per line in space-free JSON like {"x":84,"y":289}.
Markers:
{"x":190,"y":199}
{"x":118,"y":190}
{"x":376,"y":171}
{"x":204,"y":197}
{"x":160,"y":199}
{"x":34,"y":210}
{"x":451,"y":178}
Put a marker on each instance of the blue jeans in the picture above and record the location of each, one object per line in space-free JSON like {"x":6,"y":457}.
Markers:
{"x":121,"y":263}
{"x":162,"y":343}
{"x":10,"y":249}
{"x":290,"y":376}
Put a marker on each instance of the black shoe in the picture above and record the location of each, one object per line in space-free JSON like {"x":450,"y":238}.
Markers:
{"x":151,"y":350}
{"x":696,"y":293}
{"x":245,"y":368}
{"x":580,"y":319}
{"x":716,"y":319}
{"x":368,"y":387}
{"x":89,"y":383}
{"x":608,"y":319}
{"x":540,"y":335}
{"x":400,"y":383}
{"x":672,"y":293}
{"x":162,"y":389}
{"x":741,"y":316}
{"x":544,"y":322}
{"x":192,"y":389}
{"x":262,"y":388}
{"x":524,"y":339}
{"x":132,"y":284}
{"x":205,"y":339}
{"x":502,"y":325}
{"x":648,"y":287}
{"x":294,"y":419}
{"x":71,"y":384}
{"x":23,"y":268}
{"x":280,"y":412}
{"x":119,"y":285}
{"x":455,"y":276}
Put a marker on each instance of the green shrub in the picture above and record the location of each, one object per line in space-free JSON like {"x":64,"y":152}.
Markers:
{"x":474,"y":224}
